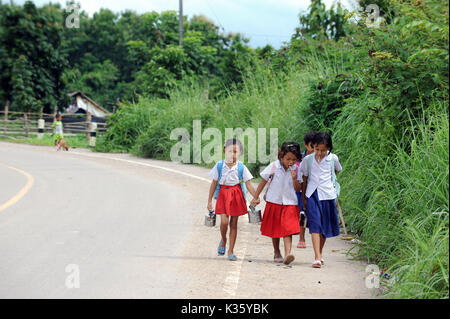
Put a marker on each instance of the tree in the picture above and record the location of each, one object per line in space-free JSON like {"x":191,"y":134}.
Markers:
{"x":33,"y":64}
{"x":322,"y":23}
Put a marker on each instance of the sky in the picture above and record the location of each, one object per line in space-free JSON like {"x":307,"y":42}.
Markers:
{"x":263,"y":21}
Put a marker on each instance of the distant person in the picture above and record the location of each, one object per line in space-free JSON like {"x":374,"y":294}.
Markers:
{"x":230,"y":177}
{"x":58,"y":134}
{"x":319,"y":195}
{"x":281,"y":214}
{"x":309,"y":149}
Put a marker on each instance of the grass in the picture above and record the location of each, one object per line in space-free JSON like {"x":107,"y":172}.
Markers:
{"x":78,"y":141}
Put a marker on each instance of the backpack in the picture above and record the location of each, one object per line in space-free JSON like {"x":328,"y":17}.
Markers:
{"x":240,"y":174}
{"x":336,"y":185}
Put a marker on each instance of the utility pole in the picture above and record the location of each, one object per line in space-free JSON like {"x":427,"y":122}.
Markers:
{"x":180,"y":24}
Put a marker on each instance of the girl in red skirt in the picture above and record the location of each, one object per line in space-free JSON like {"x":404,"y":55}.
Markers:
{"x":281,"y":215}
{"x":229,"y":179}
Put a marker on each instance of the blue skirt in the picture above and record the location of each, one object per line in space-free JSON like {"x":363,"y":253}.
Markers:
{"x":299,"y":199}
{"x":322,"y":216}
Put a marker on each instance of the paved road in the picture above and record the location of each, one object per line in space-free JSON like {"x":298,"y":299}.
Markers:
{"x":124,"y":227}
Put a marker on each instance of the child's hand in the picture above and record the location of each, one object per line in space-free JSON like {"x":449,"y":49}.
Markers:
{"x":255,"y":202}
{"x":293,"y":174}
{"x":209,"y":206}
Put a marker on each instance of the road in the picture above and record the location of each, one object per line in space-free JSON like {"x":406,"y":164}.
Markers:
{"x":80,"y":224}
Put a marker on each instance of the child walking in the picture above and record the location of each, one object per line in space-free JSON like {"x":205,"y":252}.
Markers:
{"x":281,"y":215}
{"x":319,"y":195}
{"x":58,"y":133}
{"x":309,"y":149}
{"x":230,"y":177}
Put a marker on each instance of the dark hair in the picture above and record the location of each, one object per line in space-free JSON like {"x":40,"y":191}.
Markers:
{"x":309,"y":137}
{"x":290,"y":147}
{"x":234,"y":141}
{"x":323,"y":138}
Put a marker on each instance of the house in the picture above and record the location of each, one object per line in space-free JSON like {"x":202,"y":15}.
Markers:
{"x":83,"y":104}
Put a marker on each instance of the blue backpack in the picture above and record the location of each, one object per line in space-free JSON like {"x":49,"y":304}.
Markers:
{"x":240,"y":174}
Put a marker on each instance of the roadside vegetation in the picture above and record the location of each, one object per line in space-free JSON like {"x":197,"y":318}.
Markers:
{"x":382,"y":91}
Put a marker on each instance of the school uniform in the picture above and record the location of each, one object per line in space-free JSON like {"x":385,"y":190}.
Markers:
{"x":321,"y":212}
{"x":281,"y":214}
{"x":231,"y":199}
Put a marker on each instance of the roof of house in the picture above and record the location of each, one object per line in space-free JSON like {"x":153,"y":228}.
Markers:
{"x":92,"y":102}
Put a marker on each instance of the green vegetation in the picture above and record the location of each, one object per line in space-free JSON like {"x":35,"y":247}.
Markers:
{"x":111,"y":57}
{"x":77,"y":141}
{"x":382,"y":93}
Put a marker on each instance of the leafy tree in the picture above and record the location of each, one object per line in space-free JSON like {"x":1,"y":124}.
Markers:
{"x":32,"y":60}
{"x":22,"y":86}
{"x":322,"y":23}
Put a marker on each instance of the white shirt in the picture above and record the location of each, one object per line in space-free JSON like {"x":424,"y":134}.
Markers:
{"x":230,"y":176}
{"x":58,"y":128}
{"x":281,"y":189}
{"x":320,"y":178}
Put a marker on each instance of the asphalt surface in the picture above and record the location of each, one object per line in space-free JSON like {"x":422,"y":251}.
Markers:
{"x":98,"y":225}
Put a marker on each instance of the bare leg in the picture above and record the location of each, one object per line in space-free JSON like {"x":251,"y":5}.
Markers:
{"x":316,"y":241}
{"x":287,"y":245}
{"x":233,"y":233}
{"x":276,"y":247}
{"x":302,"y":234}
{"x":223,"y":228}
{"x":322,"y":243}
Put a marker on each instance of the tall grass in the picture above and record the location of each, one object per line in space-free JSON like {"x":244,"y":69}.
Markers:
{"x":265,"y":100}
{"x":397,"y":199}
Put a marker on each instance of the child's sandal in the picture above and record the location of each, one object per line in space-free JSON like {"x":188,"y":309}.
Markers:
{"x":221,"y":249}
{"x":317,"y":264}
{"x":278,"y":259}
{"x":301,"y":244}
{"x":289,"y":258}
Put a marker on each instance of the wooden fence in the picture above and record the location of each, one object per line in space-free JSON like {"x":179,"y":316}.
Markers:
{"x":24,"y":125}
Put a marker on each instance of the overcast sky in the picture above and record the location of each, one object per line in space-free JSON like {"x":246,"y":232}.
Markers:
{"x":263,"y":21}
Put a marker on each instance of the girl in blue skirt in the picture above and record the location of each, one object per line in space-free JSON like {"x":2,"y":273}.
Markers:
{"x":319,"y":194}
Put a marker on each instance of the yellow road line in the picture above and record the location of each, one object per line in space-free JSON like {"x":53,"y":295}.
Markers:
{"x":22,"y":192}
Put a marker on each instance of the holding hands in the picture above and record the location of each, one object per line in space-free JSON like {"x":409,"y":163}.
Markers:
{"x":255,"y":201}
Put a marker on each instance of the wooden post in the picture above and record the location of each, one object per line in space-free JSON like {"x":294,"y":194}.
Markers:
{"x":88,"y":125}
{"x":25,"y":120}
{"x":5,"y":123}
{"x":41,"y":125}
{"x":93,"y":134}
{"x":40,"y":112}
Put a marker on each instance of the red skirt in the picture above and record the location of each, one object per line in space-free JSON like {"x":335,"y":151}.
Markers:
{"x":231,"y":201}
{"x":280,"y":220}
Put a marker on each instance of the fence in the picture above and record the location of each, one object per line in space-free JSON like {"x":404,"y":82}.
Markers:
{"x":25,"y":124}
